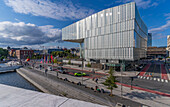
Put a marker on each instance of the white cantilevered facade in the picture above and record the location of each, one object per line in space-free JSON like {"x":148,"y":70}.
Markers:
{"x":116,"y":33}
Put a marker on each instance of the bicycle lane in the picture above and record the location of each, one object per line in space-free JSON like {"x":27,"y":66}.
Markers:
{"x":144,"y":70}
{"x":163,"y":72}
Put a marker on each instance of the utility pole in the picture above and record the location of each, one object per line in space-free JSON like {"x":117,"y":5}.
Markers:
{"x":82,"y":60}
{"x":82,"y":70}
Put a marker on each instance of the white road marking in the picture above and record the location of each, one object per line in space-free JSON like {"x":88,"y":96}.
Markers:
{"x":158,"y":79}
{"x":162,"y":80}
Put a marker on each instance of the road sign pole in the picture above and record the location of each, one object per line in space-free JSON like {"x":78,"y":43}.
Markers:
{"x":131,"y":83}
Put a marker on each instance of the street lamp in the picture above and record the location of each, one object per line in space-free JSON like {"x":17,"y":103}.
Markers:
{"x":122,"y":65}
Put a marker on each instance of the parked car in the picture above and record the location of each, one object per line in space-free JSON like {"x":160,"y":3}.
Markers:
{"x":79,"y":74}
{"x":61,"y":70}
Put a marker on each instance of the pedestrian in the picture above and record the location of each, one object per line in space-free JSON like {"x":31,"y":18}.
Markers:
{"x":93,"y":71}
{"x":57,"y":73}
{"x":40,"y":67}
{"x":96,"y":87}
{"x":46,"y":71}
{"x":96,"y":80}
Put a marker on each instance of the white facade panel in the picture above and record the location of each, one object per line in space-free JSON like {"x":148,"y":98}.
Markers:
{"x":113,"y":33}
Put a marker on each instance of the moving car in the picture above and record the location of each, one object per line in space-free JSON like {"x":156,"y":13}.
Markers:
{"x":61,"y":70}
{"x":79,"y":74}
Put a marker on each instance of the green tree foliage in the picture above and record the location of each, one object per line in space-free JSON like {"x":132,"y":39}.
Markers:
{"x":69,"y":62}
{"x":55,"y":60}
{"x":67,"y":54}
{"x":36,"y":57}
{"x":3,"y":53}
{"x":110,"y":82}
{"x":88,"y":65}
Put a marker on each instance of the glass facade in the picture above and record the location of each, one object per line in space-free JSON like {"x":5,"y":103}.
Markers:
{"x":115,"y":33}
{"x":149,"y":42}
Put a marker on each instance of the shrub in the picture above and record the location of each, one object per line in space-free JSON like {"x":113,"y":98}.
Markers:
{"x":88,"y":65}
{"x":69,"y":62}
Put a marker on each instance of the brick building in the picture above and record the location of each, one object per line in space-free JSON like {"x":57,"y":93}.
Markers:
{"x":24,"y":54}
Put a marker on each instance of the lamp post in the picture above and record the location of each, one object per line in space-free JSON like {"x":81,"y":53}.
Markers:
{"x":122,"y":68}
{"x":121,"y":79}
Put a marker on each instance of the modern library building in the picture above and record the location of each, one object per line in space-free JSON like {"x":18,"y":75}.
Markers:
{"x":111,"y":35}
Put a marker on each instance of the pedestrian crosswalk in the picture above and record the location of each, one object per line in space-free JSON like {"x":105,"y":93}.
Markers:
{"x":153,"y":78}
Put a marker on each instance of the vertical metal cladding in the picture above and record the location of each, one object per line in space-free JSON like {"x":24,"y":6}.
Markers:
{"x":114,"y":33}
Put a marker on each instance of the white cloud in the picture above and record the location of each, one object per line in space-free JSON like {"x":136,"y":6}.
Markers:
{"x":28,"y":34}
{"x":140,"y":3}
{"x":161,"y":28}
{"x":46,"y":8}
{"x":168,"y":15}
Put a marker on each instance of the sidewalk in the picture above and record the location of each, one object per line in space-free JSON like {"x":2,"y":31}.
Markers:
{"x":136,"y":95}
{"x":87,"y":69}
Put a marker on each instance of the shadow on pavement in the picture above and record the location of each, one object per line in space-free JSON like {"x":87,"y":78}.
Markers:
{"x":142,"y":95}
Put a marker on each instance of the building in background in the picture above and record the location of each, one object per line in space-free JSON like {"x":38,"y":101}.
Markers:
{"x":12,"y":52}
{"x":149,"y":42}
{"x":156,"y":52}
{"x":168,"y":45}
{"x":24,"y":53}
{"x":75,"y":51}
{"x":38,"y":52}
{"x":111,"y":35}
{"x":49,"y":51}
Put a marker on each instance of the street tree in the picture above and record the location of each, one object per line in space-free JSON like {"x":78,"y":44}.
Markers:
{"x":110,"y":82}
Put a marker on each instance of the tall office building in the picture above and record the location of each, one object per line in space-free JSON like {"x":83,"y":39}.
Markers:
{"x":113,"y":34}
{"x":149,"y":42}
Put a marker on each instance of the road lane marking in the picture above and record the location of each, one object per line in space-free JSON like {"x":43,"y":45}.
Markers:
{"x":162,"y":80}
{"x":158,"y":79}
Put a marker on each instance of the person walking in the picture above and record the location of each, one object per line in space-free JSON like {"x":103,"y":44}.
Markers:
{"x":40,"y":67}
{"x":96,"y":80}
{"x":57,"y":73}
{"x":46,"y":71}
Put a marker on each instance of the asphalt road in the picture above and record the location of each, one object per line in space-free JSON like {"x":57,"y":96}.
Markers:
{"x":148,"y":84}
{"x":155,"y":70}
{"x":88,"y":74}
{"x":72,"y":71}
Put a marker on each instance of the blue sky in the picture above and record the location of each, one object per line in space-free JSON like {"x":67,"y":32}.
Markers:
{"x":36,"y":23}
